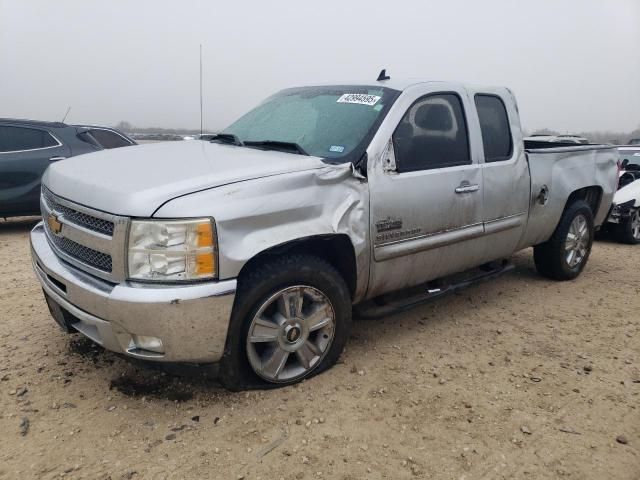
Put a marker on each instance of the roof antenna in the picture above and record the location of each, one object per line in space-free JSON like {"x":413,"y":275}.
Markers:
{"x":65,"y":115}
{"x":383,"y":75}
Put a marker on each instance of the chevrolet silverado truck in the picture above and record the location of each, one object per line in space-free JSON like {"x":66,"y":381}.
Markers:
{"x":252,"y":250}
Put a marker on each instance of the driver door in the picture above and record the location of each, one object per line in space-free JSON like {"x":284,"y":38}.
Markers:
{"x":426,"y":195}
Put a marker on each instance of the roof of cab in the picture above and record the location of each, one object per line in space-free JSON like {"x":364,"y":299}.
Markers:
{"x":393,"y":83}
{"x":404,"y":83}
{"x":400,"y":84}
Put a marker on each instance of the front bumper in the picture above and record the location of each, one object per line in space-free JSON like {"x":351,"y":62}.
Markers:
{"x":190,"y":320}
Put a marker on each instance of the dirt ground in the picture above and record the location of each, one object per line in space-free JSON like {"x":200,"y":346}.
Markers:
{"x":517,"y":378}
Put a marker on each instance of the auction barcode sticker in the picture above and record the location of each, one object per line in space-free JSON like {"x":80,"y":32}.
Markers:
{"x":359,"y":98}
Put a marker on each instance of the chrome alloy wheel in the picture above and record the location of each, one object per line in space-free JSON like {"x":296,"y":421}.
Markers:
{"x":635,"y":224}
{"x":290,"y":333}
{"x":577,"y":241}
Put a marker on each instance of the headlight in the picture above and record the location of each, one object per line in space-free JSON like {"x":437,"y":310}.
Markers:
{"x":172,"y":250}
{"x":623,"y":209}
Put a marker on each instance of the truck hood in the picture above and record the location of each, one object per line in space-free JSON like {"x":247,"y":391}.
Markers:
{"x":136,"y":180}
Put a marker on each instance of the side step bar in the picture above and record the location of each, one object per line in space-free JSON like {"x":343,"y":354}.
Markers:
{"x":396,"y":302}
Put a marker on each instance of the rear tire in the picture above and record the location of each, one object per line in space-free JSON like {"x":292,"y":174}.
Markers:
{"x":290,"y":321}
{"x":629,"y":230}
{"x":565,"y":254}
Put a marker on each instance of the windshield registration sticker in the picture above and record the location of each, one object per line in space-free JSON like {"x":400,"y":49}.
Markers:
{"x":359,"y":98}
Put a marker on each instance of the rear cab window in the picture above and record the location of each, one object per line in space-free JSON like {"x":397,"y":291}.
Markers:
{"x":19,"y":139}
{"x":494,"y":125}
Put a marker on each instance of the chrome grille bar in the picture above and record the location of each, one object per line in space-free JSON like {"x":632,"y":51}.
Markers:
{"x":75,"y":216}
{"x":91,"y":240}
{"x":99,"y":260}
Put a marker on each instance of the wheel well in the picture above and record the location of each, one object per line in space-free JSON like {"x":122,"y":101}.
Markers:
{"x":592,"y":195}
{"x":336,"y":249}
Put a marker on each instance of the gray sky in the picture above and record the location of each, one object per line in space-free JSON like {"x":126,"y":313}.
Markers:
{"x":573,"y":64}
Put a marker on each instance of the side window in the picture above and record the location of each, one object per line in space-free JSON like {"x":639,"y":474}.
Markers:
{"x":15,"y":139}
{"x":494,"y":124}
{"x":432,"y":134}
{"x":109,"y":139}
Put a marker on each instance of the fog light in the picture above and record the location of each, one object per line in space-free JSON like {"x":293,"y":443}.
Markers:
{"x":143,"y":342}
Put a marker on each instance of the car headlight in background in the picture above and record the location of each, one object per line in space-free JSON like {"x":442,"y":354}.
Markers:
{"x":172,"y":250}
{"x":623,"y":209}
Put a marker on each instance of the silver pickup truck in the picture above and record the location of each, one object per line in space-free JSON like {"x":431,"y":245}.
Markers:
{"x":252,"y":250}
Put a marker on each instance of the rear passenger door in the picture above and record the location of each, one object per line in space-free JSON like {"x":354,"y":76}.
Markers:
{"x":505,"y":173}
{"x":25,"y":153}
{"x":426,"y":193}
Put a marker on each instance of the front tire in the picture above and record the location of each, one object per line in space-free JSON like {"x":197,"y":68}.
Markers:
{"x":565,"y":254}
{"x":629,"y":230}
{"x":291,"y":319}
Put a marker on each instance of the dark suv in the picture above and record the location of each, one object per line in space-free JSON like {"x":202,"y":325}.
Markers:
{"x":27,"y":147}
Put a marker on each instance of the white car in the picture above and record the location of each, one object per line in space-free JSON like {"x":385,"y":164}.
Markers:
{"x":625,"y":214}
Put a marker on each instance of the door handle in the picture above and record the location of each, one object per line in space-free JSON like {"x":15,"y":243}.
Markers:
{"x":467,"y":188}
{"x":55,"y":159}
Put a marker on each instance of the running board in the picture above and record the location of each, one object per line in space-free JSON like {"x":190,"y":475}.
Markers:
{"x":396,"y":302}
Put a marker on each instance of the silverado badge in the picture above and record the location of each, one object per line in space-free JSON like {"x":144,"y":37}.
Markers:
{"x":389,"y":224}
{"x":54,"y":224}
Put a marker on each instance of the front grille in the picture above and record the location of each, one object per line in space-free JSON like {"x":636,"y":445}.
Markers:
{"x":88,"y":221}
{"x":99,"y":260}
{"x":88,"y":239}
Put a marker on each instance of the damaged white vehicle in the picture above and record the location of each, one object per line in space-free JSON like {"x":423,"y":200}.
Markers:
{"x":624,"y":220}
{"x":251,"y":250}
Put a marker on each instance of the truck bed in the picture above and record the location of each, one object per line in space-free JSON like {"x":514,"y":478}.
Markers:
{"x":563,"y":170}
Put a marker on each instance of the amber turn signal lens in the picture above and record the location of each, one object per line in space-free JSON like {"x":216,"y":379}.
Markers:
{"x":205,"y":264}
{"x":205,"y":235}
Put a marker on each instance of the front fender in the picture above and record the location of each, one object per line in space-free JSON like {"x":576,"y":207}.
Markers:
{"x":256,"y":215}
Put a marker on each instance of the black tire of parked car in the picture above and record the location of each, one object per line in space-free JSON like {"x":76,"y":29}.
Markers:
{"x":257,"y":285}
{"x":624,"y":231}
{"x":550,"y":257}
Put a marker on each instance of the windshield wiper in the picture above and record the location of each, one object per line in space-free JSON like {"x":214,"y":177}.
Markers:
{"x":227,"y":138}
{"x":290,"y":147}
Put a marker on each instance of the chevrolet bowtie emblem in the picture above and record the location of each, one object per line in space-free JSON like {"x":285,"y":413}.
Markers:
{"x":54,"y":224}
